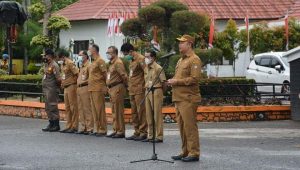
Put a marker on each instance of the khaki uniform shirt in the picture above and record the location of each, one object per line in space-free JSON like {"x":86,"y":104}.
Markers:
{"x":136,"y":82}
{"x":187,"y":74}
{"x":83,"y":74}
{"x":116,"y":73}
{"x":151,"y":73}
{"x":51,"y":75}
{"x":69,"y":73}
{"x":97,"y":75}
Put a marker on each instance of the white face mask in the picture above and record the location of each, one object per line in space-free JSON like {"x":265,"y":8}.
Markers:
{"x":60,"y":62}
{"x":108,"y":56}
{"x":80,"y":61}
{"x":89,"y":53}
{"x":148,"y":61}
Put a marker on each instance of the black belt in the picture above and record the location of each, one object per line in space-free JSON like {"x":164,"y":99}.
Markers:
{"x":154,"y":88}
{"x":82,"y":85}
{"x":114,"y":84}
{"x":69,"y":85}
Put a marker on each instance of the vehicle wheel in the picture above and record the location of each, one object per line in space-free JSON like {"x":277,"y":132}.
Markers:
{"x":285,"y":89}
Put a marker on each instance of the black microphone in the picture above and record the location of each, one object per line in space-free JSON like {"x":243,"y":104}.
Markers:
{"x":168,"y":55}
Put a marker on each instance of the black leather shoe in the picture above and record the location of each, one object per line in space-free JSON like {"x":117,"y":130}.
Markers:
{"x":158,"y":141}
{"x":190,"y":159}
{"x":71,"y":131}
{"x":48,"y":127}
{"x":177,"y":157}
{"x":111,"y":135}
{"x":92,"y":134}
{"x":80,"y":132}
{"x":140,"y":138}
{"x":146,"y":140}
{"x":131,"y":137}
{"x":55,"y":127}
{"x":64,"y":130}
{"x":118,"y":136}
{"x":100,"y":134}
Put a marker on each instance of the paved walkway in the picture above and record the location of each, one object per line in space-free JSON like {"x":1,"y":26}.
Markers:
{"x":237,"y":145}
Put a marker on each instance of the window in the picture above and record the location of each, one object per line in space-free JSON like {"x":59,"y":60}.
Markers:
{"x":274,"y":62}
{"x":265,"y":62}
{"x":257,"y":60}
{"x":80,"y":45}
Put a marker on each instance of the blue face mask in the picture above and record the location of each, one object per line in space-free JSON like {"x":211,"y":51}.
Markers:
{"x":129,"y":57}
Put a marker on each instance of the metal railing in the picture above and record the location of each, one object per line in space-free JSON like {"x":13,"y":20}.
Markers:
{"x":244,"y":92}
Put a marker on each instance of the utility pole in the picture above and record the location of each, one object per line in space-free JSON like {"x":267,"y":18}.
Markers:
{"x":26,"y":4}
{"x":140,"y":4}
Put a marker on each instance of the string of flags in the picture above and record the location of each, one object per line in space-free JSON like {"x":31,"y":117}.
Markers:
{"x":115,"y":20}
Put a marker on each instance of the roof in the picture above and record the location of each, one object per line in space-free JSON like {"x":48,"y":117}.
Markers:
{"x":293,"y":54}
{"x":222,"y":9}
{"x":294,"y":11}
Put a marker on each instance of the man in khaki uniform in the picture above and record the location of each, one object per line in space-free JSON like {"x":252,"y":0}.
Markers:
{"x":152,"y":71}
{"x":51,"y":86}
{"x":116,"y":82}
{"x":69,"y":83}
{"x":136,"y":88}
{"x":97,"y":89}
{"x":86,"y":122}
{"x":186,"y":95}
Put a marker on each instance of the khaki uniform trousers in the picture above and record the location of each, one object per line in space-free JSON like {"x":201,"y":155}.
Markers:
{"x":71,"y":107}
{"x":186,"y":119}
{"x":117,"y":94}
{"x":138,"y":114}
{"x":158,"y":117}
{"x":86,"y":122}
{"x":98,"y":111}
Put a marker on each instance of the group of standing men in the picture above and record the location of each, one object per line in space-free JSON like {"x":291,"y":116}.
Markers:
{"x":85,"y":89}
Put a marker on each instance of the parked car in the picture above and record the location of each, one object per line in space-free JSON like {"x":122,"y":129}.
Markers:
{"x":270,"y":68}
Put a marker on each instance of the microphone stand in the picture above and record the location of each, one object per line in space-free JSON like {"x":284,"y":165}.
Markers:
{"x":151,"y":89}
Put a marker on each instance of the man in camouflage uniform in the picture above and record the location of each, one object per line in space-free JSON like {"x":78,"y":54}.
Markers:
{"x":51,"y":87}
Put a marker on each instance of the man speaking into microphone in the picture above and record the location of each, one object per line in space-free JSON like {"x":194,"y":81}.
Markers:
{"x":186,"y":95}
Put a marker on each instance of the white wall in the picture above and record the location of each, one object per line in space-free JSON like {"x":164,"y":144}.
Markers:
{"x":85,"y":30}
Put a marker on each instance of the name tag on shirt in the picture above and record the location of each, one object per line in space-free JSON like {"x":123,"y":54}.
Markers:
{"x":45,"y":76}
{"x":63,"y":77}
{"x":83,"y":77}
{"x":149,"y":83}
{"x":108,"y":76}
{"x":130,"y":73}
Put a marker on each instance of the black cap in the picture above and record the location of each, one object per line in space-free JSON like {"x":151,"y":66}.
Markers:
{"x":49,"y":52}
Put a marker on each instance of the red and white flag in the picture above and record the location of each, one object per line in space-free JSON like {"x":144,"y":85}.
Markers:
{"x":247,"y":28}
{"x":116,"y":23}
{"x":109,"y":25}
{"x":211,"y":32}
{"x":121,"y":20}
{"x":286,"y":26}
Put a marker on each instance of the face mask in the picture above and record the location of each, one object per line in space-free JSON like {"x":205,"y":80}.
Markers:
{"x":89,"y":53}
{"x":80,"y":61}
{"x":60,"y":62}
{"x":129,"y":57}
{"x":148,"y":61}
{"x":45,"y":60}
{"x":108,"y":56}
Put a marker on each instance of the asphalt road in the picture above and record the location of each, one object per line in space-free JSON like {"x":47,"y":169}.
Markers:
{"x":226,"y":146}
